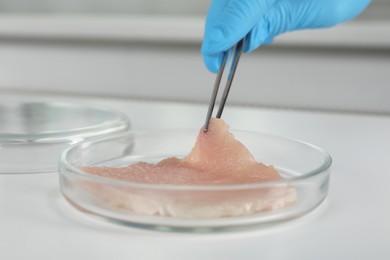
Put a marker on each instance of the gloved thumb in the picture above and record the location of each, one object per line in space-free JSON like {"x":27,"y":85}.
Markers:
{"x":232,"y":23}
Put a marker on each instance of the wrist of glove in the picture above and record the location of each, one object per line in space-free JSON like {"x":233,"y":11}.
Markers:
{"x":259,"y":21}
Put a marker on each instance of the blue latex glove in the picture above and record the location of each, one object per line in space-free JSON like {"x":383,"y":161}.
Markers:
{"x":259,"y":21}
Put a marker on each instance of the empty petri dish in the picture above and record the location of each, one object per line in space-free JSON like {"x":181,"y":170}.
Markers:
{"x":33,"y":134}
{"x":197,"y":208}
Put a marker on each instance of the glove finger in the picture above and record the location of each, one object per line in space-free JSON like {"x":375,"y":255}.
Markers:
{"x":283,"y":16}
{"x":330,"y":13}
{"x":215,"y":9}
{"x":287,"y":15}
{"x":235,"y":20}
{"x":258,"y":36}
{"x":213,"y":62}
{"x":351,"y":8}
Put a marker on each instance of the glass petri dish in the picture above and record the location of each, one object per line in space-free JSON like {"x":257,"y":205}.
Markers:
{"x":33,"y":134}
{"x":305,"y":168}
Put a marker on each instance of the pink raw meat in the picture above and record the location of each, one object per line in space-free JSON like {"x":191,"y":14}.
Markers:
{"x":216,"y":159}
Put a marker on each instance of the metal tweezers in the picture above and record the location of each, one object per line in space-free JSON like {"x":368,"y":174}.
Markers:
{"x":233,"y":67}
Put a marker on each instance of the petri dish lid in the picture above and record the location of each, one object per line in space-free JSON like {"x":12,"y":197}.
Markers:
{"x":33,"y":134}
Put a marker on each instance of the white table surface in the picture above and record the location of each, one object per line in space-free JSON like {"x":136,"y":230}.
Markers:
{"x":353,"y":223}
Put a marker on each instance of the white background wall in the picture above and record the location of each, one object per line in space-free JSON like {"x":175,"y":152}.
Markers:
{"x":342,"y":69}
{"x":178,"y":7}
{"x":379,"y":9}
{"x":335,"y":79}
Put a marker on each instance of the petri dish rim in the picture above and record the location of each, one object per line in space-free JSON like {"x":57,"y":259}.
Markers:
{"x":325,"y":166}
{"x":35,"y":132}
{"x":64,"y":135}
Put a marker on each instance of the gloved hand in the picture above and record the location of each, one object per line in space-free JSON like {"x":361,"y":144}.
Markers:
{"x":259,"y":21}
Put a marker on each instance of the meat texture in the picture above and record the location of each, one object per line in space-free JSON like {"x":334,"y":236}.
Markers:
{"x":217,"y":159}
